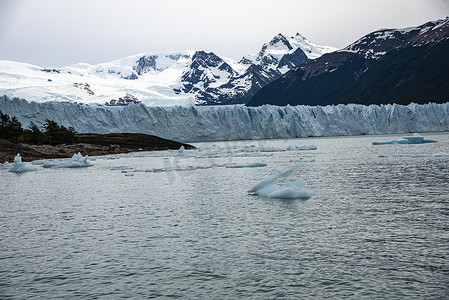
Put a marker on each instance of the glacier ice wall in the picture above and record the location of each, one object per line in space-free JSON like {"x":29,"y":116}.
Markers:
{"x":190,"y":124}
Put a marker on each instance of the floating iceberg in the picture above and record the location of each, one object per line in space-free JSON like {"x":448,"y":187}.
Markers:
{"x":290,"y":190}
{"x":175,"y":169}
{"x":439,"y":154}
{"x":6,"y":165}
{"x":248,"y":165}
{"x":299,"y":148}
{"x":415,"y":139}
{"x":121,"y":168}
{"x":76,"y":161}
{"x":19,"y":166}
{"x":181,"y":150}
{"x":38,"y":162}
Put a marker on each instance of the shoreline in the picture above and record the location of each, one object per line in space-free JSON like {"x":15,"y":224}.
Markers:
{"x":89,"y":144}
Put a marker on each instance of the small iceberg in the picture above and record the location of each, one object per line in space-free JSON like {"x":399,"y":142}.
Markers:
{"x":181,"y":149}
{"x":6,"y":165}
{"x":121,"y":168}
{"x":290,"y":190}
{"x":415,"y":139}
{"x":76,"y":161}
{"x":20,"y":167}
{"x":439,"y":154}
{"x":301,"y":148}
{"x":248,"y":165}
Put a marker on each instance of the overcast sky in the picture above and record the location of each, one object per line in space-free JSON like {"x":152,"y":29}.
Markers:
{"x":64,"y":32}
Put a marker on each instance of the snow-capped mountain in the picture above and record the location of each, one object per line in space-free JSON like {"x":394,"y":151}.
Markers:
{"x":184,"y":78}
{"x":282,"y":53}
{"x":386,"y":66}
{"x":378,"y":43}
{"x":275,"y":58}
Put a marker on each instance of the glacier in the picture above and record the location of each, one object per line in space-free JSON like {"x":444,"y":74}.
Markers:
{"x":237,"y":122}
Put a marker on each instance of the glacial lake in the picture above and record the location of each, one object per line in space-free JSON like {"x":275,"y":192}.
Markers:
{"x":182,"y":225}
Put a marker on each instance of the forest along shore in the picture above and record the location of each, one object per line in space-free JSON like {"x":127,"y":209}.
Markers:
{"x":89,"y":144}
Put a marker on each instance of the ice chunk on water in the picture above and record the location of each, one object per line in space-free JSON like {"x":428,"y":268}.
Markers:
{"x":287,"y":171}
{"x":439,"y":154}
{"x":291,"y":193}
{"x":181,"y":150}
{"x":76,"y":161}
{"x":298,"y":183}
{"x":299,"y":148}
{"x":415,"y":139}
{"x":248,"y":165}
{"x":6,"y":165}
{"x":290,"y":190}
{"x":174,"y":169}
{"x":121,"y":168}
{"x":267,"y":182}
{"x":392,"y":142}
{"x":19,"y":166}
{"x":38,"y":162}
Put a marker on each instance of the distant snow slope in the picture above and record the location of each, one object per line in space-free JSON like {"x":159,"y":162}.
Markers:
{"x":189,"y":124}
{"x":184,"y":78}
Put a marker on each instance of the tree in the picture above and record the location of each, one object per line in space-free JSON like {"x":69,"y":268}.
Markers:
{"x":4,"y":121}
{"x":34,"y":135}
{"x":57,"y":134}
{"x":54,"y":134}
{"x":10,"y":128}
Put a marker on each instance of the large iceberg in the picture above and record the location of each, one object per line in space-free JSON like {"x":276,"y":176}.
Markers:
{"x":19,"y":166}
{"x":415,"y":139}
{"x":290,"y":190}
{"x":209,"y":123}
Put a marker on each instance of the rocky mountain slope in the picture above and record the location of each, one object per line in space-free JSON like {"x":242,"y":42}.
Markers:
{"x":185,"y":78}
{"x":385,"y":66}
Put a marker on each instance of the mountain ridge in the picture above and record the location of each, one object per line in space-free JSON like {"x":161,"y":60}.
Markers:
{"x":182,"y":78}
{"x":408,"y":57}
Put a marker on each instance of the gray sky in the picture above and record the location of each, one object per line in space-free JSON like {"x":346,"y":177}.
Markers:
{"x":64,"y":32}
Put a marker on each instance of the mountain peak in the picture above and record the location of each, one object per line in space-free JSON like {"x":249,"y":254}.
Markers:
{"x":299,"y":36}
{"x":280,"y":41}
{"x":281,"y":45}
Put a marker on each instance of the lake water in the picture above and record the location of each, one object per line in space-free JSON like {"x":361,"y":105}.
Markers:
{"x":182,"y":225}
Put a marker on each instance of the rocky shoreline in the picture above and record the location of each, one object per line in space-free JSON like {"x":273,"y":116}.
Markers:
{"x":89,"y":144}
